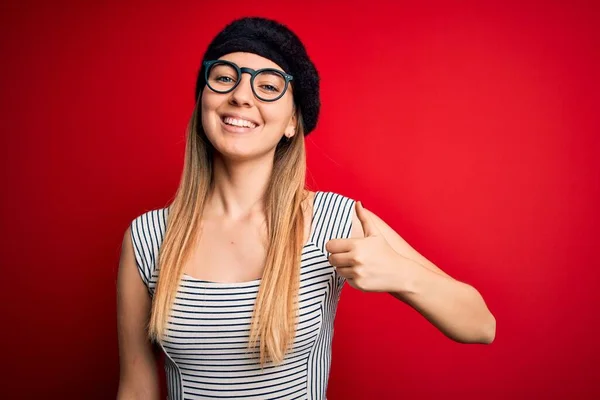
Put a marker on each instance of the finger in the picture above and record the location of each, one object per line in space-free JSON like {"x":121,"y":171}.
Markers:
{"x":339,"y":245}
{"x":341,"y":260}
{"x":367,"y":223}
{"x":347,"y":273}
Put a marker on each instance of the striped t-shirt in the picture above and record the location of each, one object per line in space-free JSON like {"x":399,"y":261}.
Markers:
{"x":206,"y":353}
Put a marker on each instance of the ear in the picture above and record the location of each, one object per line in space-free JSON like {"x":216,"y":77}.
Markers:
{"x":290,"y":129}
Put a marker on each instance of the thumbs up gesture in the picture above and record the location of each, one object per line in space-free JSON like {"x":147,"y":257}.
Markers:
{"x":369,"y":264}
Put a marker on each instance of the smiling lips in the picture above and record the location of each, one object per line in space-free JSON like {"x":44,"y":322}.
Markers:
{"x":240,"y":123}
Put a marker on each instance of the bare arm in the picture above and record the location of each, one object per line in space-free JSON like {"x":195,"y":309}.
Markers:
{"x":455,"y":308}
{"x":138,"y":369}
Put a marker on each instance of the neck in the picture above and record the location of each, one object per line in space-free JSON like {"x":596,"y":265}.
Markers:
{"x":238,"y":187}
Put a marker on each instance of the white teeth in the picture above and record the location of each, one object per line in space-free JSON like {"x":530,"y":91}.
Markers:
{"x":239,"y":122}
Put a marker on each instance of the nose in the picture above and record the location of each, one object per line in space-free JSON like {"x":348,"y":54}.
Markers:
{"x":242,"y":95}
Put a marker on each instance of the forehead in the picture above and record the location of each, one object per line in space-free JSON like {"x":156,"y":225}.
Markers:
{"x":250,"y":60}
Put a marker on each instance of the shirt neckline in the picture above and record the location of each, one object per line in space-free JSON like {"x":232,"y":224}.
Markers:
{"x":255,"y":282}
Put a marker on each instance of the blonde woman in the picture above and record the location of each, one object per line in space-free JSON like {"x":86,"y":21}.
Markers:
{"x":238,"y":280}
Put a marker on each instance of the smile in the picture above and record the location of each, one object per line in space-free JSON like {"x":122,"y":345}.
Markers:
{"x":240,"y":123}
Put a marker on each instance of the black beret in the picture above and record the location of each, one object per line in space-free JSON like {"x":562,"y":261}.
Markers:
{"x":272,"y":40}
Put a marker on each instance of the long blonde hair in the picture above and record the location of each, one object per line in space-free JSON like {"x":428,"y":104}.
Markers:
{"x":274,"y":319}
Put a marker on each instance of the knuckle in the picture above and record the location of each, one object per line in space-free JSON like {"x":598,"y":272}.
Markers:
{"x":357,"y":258}
{"x":359,"y":272}
{"x":359,"y":284}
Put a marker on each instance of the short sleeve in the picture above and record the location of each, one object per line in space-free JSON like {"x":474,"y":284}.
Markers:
{"x":147,"y":233}
{"x":139,"y":250}
{"x":332,"y":220}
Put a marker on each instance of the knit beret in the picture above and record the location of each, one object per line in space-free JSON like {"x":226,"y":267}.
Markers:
{"x":272,"y":40}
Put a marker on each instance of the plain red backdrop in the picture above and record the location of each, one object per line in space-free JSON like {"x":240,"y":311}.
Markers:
{"x":471,"y":129}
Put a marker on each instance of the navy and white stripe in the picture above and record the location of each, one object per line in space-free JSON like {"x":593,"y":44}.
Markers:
{"x":206,"y":347}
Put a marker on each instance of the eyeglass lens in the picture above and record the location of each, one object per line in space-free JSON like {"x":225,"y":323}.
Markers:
{"x":267,"y":85}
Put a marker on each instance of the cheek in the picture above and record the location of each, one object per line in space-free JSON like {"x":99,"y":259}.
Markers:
{"x":209,"y":100}
{"x":208,"y":105}
{"x":278,"y":115}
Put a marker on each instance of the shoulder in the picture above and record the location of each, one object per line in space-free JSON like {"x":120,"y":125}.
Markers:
{"x":149,"y":227}
{"x":333,"y":200}
{"x":334,"y":210}
{"x":150,"y":219}
{"x":146,"y":234}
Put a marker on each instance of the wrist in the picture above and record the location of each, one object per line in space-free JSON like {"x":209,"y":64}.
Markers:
{"x":406,"y":280}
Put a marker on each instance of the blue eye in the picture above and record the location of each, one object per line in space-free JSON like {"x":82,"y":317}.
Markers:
{"x":270,"y":88}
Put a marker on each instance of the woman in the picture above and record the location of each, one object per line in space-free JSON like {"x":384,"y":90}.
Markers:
{"x":251,"y":263}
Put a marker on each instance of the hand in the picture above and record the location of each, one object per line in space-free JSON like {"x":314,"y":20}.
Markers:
{"x":369,"y":264}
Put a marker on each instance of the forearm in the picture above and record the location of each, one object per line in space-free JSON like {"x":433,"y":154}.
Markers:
{"x":139,"y":377}
{"x":455,"y":308}
{"x":137,"y":391}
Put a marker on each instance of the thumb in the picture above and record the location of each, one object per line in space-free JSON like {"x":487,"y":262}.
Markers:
{"x":368,"y":226}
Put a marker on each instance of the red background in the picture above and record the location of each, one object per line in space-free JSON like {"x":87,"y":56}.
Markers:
{"x":472,"y":129}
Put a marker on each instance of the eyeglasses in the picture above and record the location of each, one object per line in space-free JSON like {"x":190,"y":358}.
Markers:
{"x":268,"y":84}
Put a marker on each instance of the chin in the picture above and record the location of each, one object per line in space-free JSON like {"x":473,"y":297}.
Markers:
{"x":244,"y":152}
{"x":235,"y":151}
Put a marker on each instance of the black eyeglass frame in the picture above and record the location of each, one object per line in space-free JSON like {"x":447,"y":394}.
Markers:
{"x":252,"y":72}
